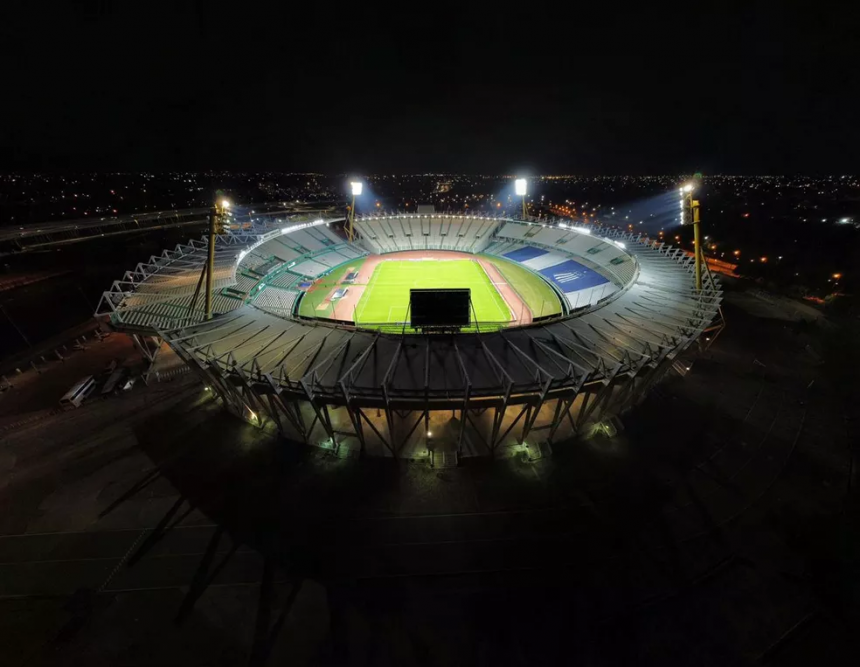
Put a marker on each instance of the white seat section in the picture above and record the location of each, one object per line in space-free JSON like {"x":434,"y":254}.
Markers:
{"x":252,"y":260}
{"x":484,"y":234}
{"x":544,"y":261}
{"x":551,"y":236}
{"x":590,"y":295}
{"x":330,"y":234}
{"x":579,"y":244}
{"x":332,"y":259}
{"x":624,"y":271}
{"x":304,"y":238}
{"x":309,"y":268}
{"x":284,"y":280}
{"x":276,"y":301}
{"x":465,"y":233}
{"x":154,"y":311}
{"x":456,"y":226}
{"x":513,"y":230}
{"x":245,"y":283}
{"x":502,"y":246}
{"x":319,"y":235}
{"x":281,"y":250}
{"x":412,"y":229}
{"x":350,"y":252}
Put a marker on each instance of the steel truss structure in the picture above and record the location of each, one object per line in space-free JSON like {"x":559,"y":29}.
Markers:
{"x":379,"y":394}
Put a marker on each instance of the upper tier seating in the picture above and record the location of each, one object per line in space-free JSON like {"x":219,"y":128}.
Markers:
{"x":426,"y":232}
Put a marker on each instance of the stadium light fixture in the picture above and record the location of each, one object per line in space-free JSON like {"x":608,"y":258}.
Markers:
{"x":217,"y":215}
{"x":688,"y":203}
{"x":520,"y":190}
{"x":520,"y":187}
{"x":356,"y":187}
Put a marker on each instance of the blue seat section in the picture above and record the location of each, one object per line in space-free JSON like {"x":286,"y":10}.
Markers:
{"x":572,"y":276}
{"x":523,"y":254}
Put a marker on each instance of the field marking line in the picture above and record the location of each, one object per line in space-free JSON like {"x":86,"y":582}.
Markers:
{"x":365,"y":296}
{"x":487,"y":282}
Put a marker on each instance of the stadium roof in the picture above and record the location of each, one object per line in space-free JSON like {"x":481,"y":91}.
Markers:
{"x":654,"y":317}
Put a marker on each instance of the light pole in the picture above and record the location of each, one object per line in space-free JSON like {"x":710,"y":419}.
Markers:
{"x":350,"y":223}
{"x":687,"y":202}
{"x":520,"y":189}
{"x":216,"y":225}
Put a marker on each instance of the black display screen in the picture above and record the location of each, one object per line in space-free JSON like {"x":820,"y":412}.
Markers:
{"x":439,"y":307}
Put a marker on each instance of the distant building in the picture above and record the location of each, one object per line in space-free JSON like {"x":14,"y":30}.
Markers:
{"x":426,"y":209}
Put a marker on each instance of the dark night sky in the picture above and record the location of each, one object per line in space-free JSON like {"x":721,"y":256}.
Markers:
{"x":745,"y":88}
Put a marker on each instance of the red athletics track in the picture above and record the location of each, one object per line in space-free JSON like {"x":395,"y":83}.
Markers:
{"x":344,"y":308}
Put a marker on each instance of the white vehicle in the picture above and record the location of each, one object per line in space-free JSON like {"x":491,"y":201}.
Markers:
{"x":78,"y":393}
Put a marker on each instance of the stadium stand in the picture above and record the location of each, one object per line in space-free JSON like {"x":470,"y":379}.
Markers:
{"x":276,"y":301}
{"x":309,"y":268}
{"x":244,"y":283}
{"x":602,"y":254}
{"x":283,"y":280}
{"x":294,"y":372}
{"x":154,"y":311}
{"x":584,"y":269}
{"x":265,"y":269}
{"x":426,"y":232}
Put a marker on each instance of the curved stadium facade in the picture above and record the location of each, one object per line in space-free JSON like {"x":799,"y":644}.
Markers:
{"x":627,"y":307}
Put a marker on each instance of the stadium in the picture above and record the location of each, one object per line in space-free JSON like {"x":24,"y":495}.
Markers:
{"x":567,"y":327}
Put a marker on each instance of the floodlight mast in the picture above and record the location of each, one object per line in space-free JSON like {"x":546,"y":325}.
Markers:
{"x":687,"y":201}
{"x":520,"y":186}
{"x":356,"y":187}
{"x":216,"y":224}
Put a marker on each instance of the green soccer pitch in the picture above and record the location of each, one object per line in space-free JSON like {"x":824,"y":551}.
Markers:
{"x":386,"y":298}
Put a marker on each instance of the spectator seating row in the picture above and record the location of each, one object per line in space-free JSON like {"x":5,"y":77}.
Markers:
{"x":425,"y":232}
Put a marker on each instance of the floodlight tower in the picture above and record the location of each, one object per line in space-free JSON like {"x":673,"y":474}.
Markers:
{"x":216,"y":226}
{"x":350,"y":222}
{"x":688,"y":203}
{"x":520,"y":189}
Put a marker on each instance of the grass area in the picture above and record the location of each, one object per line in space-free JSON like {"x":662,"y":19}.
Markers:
{"x":540,"y":298}
{"x":321,"y":290}
{"x":386,"y":297}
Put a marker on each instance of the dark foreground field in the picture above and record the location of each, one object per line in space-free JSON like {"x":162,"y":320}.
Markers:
{"x":718,"y":528}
